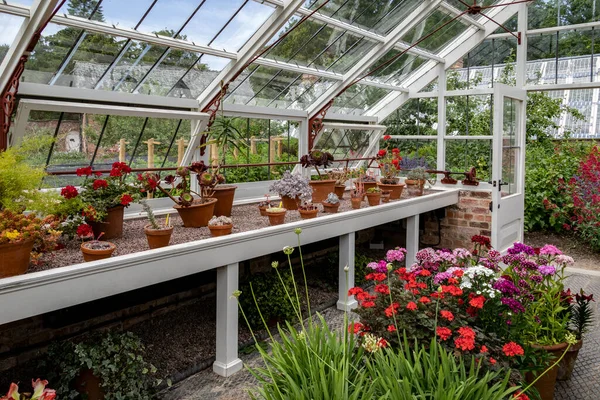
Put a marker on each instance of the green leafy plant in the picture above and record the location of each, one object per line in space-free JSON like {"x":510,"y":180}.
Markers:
{"x":316,"y":159}
{"x":582,"y":315}
{"x":417,"y":174}
{"x":374,"y":190}
{"x":152,"y":218}
{"x":19,"y":182}
{"x":116,"y":359}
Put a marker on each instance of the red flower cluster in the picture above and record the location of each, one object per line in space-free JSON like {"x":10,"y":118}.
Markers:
{"x":119,"y":169}
{"x":382,"y":288}
{"x":100,"y":184}
{"x":392,"y":310}
{"x":443,"y":332}
{"x":447,"y":315}
{"x":89,"y":213}
{"x":425,"y":300}
{"x":84,"y":231}
{"x":69,"y":192}
{"x":466,"y":340}
{"x":453,"y":290}
{"x":381,"y":153}
{"x":481,"y":240}
{"x":387,"y":137}
{"x":126,"y":199}
{"x":376,"y":276}
{"x":411,"y":306}
{"x":477,"y":301}
{"x":391,"y":328}
{"x":512,"y":349}
{"x":86,"y":171}
{"x":520,"y":396}
{"x":355,"y":328}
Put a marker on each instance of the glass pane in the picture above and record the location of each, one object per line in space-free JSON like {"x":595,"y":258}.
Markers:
{"x":9,"y":27}
{"x":166,"y":18}
{"x":461,"y":155}
{"x":264,"y":85}
{"x":154,"y":144}
{"x":573,"y":66}
{"x":541,"y":55}
{"x":39,"y":136}
{"x":344,"y":143}
{"x":469,"y":115}
{"x":510,"y":156}
{"x":198,"y":77}
{"x":309,"y":90}
{"x":111,"y":11}
{"x":76,"y":141}
{"x":49,"y":53}
{"x":415,"y":117}
{"x":437,"y":39}
{"x":416,"y":153}
{"x":357,"y":99}
{"x":178,"y":145}
{"x":395,"y":71}
{"x":117,"y":128}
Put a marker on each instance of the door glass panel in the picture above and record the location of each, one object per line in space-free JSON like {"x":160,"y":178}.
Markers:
{"x":510,"y":148}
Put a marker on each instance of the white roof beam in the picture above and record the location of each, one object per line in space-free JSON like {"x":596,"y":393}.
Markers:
{"x":457,"y":49}
{"x":453,"y":11}
{"x":415,"y":17}
{"x":356,"y":30}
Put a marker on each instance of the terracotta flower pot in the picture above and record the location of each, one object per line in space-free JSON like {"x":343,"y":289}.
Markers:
{"x":395,"y":190}
{"x":374,"y":198}
{"x":289,"y":203}
{"x":224,"y":195}
{"x":356,"y":202}
{"x":545,"y":385}
{"x":220,"y":230}
{"x":112,"y":226}
{"x":263,"y":210}
{"x":86,"y":383}
{"x":565,"y":367}
{"x":415,"y":187}
{"x":321,"y":189}
{"x":158,"y":237}
{"x":198,"y":214}
{"x":308,"y":214}
{"x":368,"y":185}
{"x":103,"y":250}
{"x":14,"y":258}
{"x":330,"y":208}
{"x":276,"y":217}
{"x":339,"y":191}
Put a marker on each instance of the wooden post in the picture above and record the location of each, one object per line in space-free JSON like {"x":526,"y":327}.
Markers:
{"x":235,"y":152}
{"x":272,"y":144}
{"x":181,"y":143}
{"x":252,"y":145}
{"x":214,"y":154}
{"x":279,"y":145}
{"x":151,"y":142}
{"x":122,"y":149}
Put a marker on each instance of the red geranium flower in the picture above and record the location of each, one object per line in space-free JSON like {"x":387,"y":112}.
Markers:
{"x":376,"y":276}
{"x":99,"y":183}
{"x":482,"y":240}
{"x":69,"y":192}
{"x":121,"y":166}
{"x":355,"y":327}
{"x":87,"y":171}
{"x":381,"y":153}
{"x":424,"y":272}
{"x":84,"y":231}
{"x":512,"y":349}
{"x":392,"y":309}
{"x":443,"y":333}
{"x":411,"y":306}
{"x":126,"y":199}
{"x":520,"y":396}
{"x":368,"y":304}
{"x":492,"y":361}
{"x":483,"y":349}
{"x":382,"y":288}
{"x":354,"y":291}
{"x":387,"y":137}
{"x":453,"y":290}
{"x":425,"y":300}
{"x":391,"y":328}
{"x":447,"y":315}
{"x":477,"y":301}
{"x":382,"y":343}
{"x":396,"y":150}
{"x":458,"y":273}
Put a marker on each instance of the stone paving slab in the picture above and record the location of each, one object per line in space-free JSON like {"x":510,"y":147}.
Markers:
{"x":584,"y":385}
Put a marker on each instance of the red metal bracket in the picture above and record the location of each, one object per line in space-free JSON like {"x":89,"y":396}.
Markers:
{"x":315,"y":124}
{"x":471,"y":178}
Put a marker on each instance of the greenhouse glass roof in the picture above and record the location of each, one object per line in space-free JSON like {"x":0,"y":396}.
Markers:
{"x":308,"y":50}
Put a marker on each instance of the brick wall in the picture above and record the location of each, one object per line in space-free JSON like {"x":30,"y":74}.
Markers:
{"x":471,"y":216}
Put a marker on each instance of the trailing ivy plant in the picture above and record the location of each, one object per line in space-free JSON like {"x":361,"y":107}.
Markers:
{"x":116,"y":359}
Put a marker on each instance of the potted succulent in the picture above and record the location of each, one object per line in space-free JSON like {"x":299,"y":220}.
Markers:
{"x":263,"y":205}
{"x":102,"y":200}
{"x":415,"y":181}
{"x":94,"y":249}
{"x":374,"y":196}
{"x":224,"y":135}
{"x":195,"y":212}
{"x":308,"y":210}
{"x":385,"y":196}
{"x":389,"y":166}
{"x":158,"y":235}
{"x":220,"y":226}
{"x":40,"y":392}
{"x":20,"y":237}
{"x":581,"y":321}
{"x":341,"y":176}
{"x":357,"y":195}
{"x":292,"y":188}
{"x":276,"y":215}
{"x":331,"y":204}
{"x":321,"y":186}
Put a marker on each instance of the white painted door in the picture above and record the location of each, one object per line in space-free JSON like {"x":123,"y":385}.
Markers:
{"x":508,"y":166}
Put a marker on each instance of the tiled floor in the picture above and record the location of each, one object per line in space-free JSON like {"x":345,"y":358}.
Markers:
{"x":584,"y":385}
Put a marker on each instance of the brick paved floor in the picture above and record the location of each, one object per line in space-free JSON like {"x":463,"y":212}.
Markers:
{"x":584,"y":385}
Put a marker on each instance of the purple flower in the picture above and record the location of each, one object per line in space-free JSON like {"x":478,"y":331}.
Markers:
{"x":442,"y":276}
{"x":529,"y":264}
{"x":550,"y":250}
{"x":537,"y":278}
{"x":380,"y":266}
{"x":521,"y":248}
{"x":506,"y":287}
{"x":513,"y":304}
{"x":396,"y":254}
{"x":547,"y":270}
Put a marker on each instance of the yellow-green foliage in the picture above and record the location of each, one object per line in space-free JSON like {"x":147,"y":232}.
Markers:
{"x":19,"y":182}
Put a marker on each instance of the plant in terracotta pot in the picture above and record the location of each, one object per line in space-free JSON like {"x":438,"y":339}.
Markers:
{"x":158,"y":235}
{"x":94,"y":249}
{"x":367,"y":179}
{"x":276,"y":215}
{"x":415,"y":181}
{"x":357,"y":195}
{"x":220,"y":226}
{"x":581,"y":321}
{"x":321,"y":186}
{"x":374,"y":196}
{"x":263,"y":205}
{"x":389,"y":166}
{"x":292,"y":188}
{"x":331,"y":203}
{"x":23,"y":238}
{"x":40,"y":392}
{"x":341,"y":176}
{"x":308,"y":210}
{"x":385,"y":196}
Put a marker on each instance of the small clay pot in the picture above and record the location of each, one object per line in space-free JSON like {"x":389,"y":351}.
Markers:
{"x":93,"y":254}
{"x":158,"y":238}
{"x":220,"y":230}
{"x":224,"y":195}
{"x":263,"y":210}
{"x":308,"y":214}
{"x":330,"y":208}
{"x":415,"y":187}
{"x":290,"y":203}
{"x":321,"y":189}
{"x":198,"y":214}
{"x":276,"y":217}
{"x":395,"y":190}
{"x":356,"y":202}
{"x":339,"y":191}
{"x":374,"y":198}
{"x":368,"y":185}
{"x":112,"y":226}
{"x":14,"y":258}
